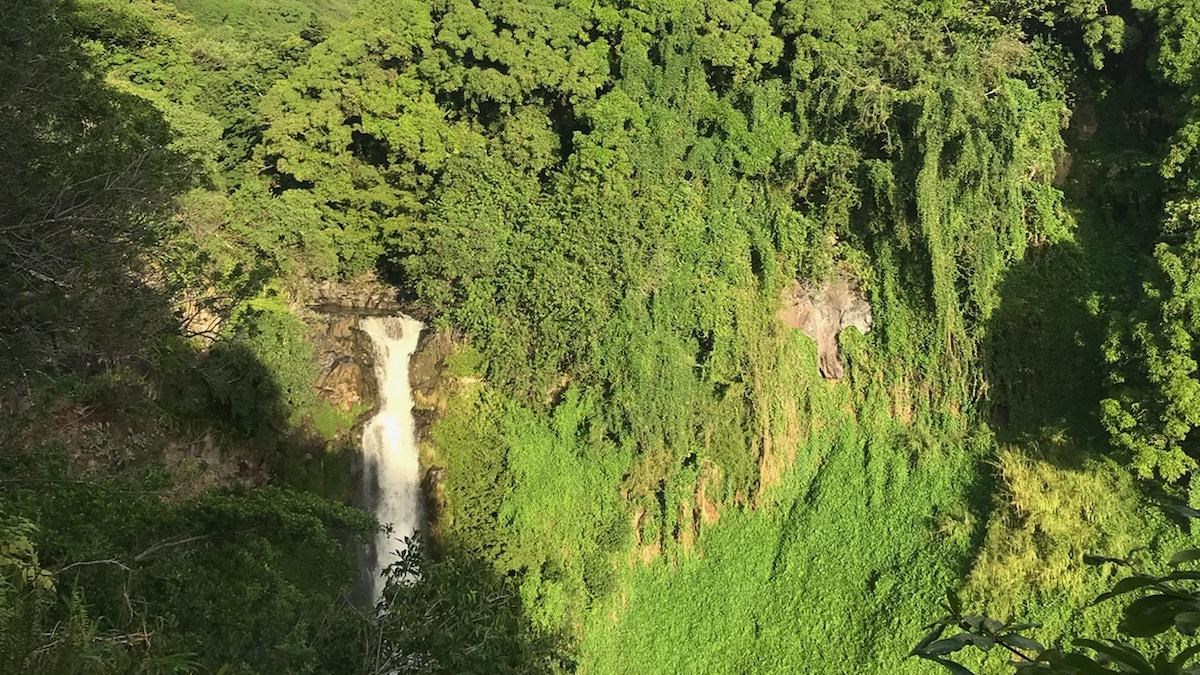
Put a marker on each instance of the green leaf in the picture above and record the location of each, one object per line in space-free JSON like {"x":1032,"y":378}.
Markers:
{"x":953,"y":602}
{"x":1100,"y":560}
{"x":1164,"y":666}
{"x":983,"y":642}
{"x":944,"y":621}
{"x":1186,"y":655}
{"x":1074,"y":662}
{"x":1182,"y":575}
{"x":1123,"y":655}
{"x":957,"y":669}
{"x":1022,"y":642}
{"x":948,"y":645}
{"x":1185,"y":556}
{"x":1187,"y":622}
{"x":1151,"y":615}
{"x":1181,"y":510}
{"x":956,"y":642}
{"x":936,"y":633}
{"x":981,"y":624}
{"x":1127,"y":585}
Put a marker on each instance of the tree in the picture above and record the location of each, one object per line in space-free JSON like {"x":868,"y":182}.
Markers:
{"x":1154,"y":409}
{"x":106,"y":574}
{"x":1168,"y":601}
{"x":451,"y":613}
{"x":87,"y":194}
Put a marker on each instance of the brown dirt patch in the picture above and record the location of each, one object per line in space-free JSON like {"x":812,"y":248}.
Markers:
{"x":821,"y":312}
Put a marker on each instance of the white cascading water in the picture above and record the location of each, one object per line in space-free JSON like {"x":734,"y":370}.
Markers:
{"x":389,"y":441}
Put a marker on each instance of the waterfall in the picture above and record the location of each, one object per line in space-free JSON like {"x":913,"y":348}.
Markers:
{"x":389,"y":443}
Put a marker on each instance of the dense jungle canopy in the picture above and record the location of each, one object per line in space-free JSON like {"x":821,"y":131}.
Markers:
{"x":601,"y":209}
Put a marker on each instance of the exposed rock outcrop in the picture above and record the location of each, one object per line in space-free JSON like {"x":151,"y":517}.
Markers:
{"x":344,"y":356}
{"x":823,"y":312}
{"x":363,"y":297}
{"x":332,"y":310}
{"x":430,"y":384}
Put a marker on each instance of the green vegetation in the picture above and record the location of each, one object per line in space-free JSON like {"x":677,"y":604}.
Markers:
{"x":1155,"y":407}
{"x":460,"y":617}
{"x":133,"y":336}
{"x":1163,"y":602}
{"x":233,"y":579}
{"x":601,"y":206}
{"x":266,"y":19}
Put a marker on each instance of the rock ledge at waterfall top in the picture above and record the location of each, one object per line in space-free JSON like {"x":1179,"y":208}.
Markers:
{"x":362,"y":297}
{"x":332,"y":310}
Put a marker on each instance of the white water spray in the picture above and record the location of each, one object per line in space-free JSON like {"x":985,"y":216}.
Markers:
{"x":389,"y":442}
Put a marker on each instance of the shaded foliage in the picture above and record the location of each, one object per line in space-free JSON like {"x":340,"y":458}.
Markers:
{"x":117,"y":309}
{"x":88,"y":193}
{"x":452,"y":613}
{"x":105,"y":572}
{"x":1154,"y":408}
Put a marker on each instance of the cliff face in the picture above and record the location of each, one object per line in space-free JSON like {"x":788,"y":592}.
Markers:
{"x":430,"y":385}
{"x":431,"y":389}
{"x":361,"y":297}
{"x":345,"y":359}
{"x":334,"y":311}
{"x":822,"y":312}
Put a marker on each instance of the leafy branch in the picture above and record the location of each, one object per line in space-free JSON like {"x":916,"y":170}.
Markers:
{"x":1167,"y":601}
